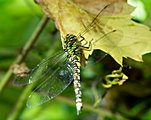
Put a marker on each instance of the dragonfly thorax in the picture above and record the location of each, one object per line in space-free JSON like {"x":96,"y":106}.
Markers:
{"x":71,"y":43}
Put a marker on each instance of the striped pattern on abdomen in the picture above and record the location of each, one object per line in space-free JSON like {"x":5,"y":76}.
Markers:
{"x":77,"y":85}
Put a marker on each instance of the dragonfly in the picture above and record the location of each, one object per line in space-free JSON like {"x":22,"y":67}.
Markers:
{"x":56,"y":73}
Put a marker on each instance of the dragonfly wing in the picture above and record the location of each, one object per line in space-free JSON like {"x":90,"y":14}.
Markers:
{"x":97,"y":22}
{"x":44,"y":68}
{"x":52,"y":86}
{"x":109,"y":41}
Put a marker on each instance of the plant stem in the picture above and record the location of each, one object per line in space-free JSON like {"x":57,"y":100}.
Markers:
{"x":21,"y":101}
{"x":101,"y":111}
{"x":25,"y":51}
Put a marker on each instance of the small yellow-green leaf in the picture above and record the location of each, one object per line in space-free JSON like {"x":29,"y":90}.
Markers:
{"x":114,"y":31}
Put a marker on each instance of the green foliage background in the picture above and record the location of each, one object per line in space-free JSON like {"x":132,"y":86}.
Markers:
{"x":18,"y":20}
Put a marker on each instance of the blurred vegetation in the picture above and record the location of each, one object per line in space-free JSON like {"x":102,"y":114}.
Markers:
{"x":18,"y":21}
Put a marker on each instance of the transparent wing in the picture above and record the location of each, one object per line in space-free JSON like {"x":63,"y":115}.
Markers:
{"x":103,"y":36}
{"x":52,"y":86}
{"x":42,"y":70}
{"x":109,"y":42}
{"x":108,"y":10}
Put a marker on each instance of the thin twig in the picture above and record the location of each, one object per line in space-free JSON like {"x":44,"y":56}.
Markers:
{"x":21,"y":101}
{"x":30,"y":43}
{"x":101,"y":111}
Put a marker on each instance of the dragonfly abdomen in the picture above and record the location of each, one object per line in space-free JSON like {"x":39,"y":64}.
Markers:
{"x":72,"y":48}
{"x":77,"y":85}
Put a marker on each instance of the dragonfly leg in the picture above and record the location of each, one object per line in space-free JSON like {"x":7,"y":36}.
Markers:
{"x":87,"y":48}
{"x":87,"y":45}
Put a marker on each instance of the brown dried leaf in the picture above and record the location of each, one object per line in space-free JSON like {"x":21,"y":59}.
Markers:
{"x":116,"y":33}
